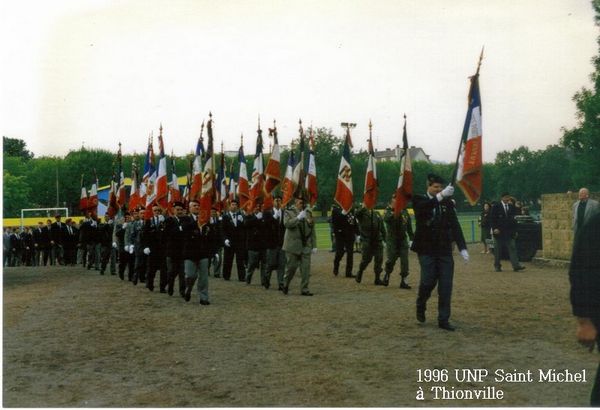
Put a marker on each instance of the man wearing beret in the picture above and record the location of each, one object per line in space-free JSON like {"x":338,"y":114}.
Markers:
{"x":437,"y":228}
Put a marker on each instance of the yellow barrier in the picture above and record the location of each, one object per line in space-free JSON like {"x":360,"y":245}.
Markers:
{"x":16,"y":222}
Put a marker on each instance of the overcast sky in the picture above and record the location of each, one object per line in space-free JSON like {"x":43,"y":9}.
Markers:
{"x":100,"y":72}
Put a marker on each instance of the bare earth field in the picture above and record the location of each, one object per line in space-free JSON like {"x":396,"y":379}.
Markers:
{"x":73,"y":338}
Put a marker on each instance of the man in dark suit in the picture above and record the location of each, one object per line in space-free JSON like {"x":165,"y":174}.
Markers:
{"x":504,"y":229}
{"x":87,"y":241}
{"x":256,"y":243}
{"x":57,"y":234}
{"x":70,"y":239}
{"x":345,"y":230}
{"x":437,"y":228}
{"x":234,"y":235}
{"x":126,"y":260}
{"x":174,"y":237}
{"x":275,"y":235}
{"x":585,"y":290}
{"x":153,"y":247}
{"x":41,"y":241}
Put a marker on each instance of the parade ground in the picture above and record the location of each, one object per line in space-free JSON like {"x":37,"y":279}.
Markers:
{"x":74,"y":338}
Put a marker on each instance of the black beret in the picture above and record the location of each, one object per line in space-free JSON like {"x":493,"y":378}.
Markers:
{"x":435,"y":179}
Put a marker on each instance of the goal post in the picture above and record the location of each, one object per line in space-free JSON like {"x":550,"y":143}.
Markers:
{"x":42,"y":213}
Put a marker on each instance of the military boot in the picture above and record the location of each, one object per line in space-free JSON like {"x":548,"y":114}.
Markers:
{"x":358,"y":277}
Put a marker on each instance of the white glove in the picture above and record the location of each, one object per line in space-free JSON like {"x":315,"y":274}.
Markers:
{"x":465,"y":255}
{"x":259,"y":215}
{"x":124,"y":225}
{"x":131,"y":249}
{"x":314,"y":251}
{"x":446,"y":193}
{"x":227,"y":243}
{"x":146,"y":251}
{"x":301,"y":215}
{"x":240,"y":218}
{"x":216,"y":258}
{"x":344,"y":212}
{"x":410,"y":243}
{"x":357,"y":240}
{"x":161,"y":218}
{"x":276,"y":213}
{"x":115,"y":245}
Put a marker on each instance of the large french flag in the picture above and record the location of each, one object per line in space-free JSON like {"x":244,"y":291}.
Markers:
{"x":134,"y":193}
{"x":208,"y":180}
{"x":371,"y":187}
{"x":256,"y":187}
{"x":196,"y":185}
{"x":469,"y":171}
{"x":150,"y":185}
{"x":273,"y":169}
{"x":174,"y":193}
{"x":232,"y":191}
{"x":288,"y":187}
{"x":148,"y":171}
{"x":404,"y":188}
{"x":242,"y":184}
{"x":311,"y":175}
{"x":344,"y":195}
{"x":83,"y":198}
{"x":93,"y":199}
{"x":162,"y":183}
{"x":113,"y":207}
{"x":121,"y":190}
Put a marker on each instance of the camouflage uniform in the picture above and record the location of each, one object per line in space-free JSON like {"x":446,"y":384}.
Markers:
{"x":372,"y":234}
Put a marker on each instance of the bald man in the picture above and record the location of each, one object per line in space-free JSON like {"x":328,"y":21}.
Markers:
{"x":584,"y":209}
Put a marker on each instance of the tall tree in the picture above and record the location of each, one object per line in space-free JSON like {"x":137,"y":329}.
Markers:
{"x":14,"y":147}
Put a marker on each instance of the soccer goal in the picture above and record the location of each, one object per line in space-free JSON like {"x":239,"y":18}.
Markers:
{"x":42,"y":213}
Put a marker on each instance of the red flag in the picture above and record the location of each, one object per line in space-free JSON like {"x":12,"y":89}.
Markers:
{"x":207,"y":193}
{"x":257,"y":185}
{"x":371,"y":187}
{"x":344,"y":194}
{"x":221,"y":185}
{"x":174,"y":193}
{"x":162,"y":185}
{"x":273,"y":170}
{"x":196,"y":185}
{"x":469,"y":171}
{"x":93,"y":199}
{"x":113,"y":207}
{"x":404,"y":188}
{"x":288,"y":186}
{"x":147,"y":184}
{"x":121,"y":193}
{"x":134,"y":193}
{"x":311,"y":175}
{"x":83,"y":199}
{"x":242,"y":184}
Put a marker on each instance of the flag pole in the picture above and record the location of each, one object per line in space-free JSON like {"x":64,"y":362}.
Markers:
{"x":474,"y":77}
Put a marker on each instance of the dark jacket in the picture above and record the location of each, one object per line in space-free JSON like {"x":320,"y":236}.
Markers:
{"x":344,"y":226}
{"x":41,"y":237}
{"x":153,"y":235}
{"x":275,"y":229}
{"x":57,"y":232}
{"x":584,"y":271}
{"x":504,"y":221}
{"x":174,"y":236}
{"x":87,"y":232}
{"x":104,"y":234}
{"x":256,"y":233}
{"x":235,"y":232}
{"x":437,"y":227}
{"x":70,"y":239}
{"x":198,"y":243}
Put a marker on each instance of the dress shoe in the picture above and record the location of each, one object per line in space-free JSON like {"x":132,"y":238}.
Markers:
{"x":518,"y":268}
{"x":335,"y":273}
{"x":280,"y":287}
{"x":498,"y":269}
{"x":285,"y":290}
{"x":248,"y":280}
{"x":135,"y":281}
{"x":446,"y":326}
{"x":170,"y":291}
{"x":306,"y":293}
{"x":378,"y":282}
{"x":188,"y":294}
{"x":358,"y":277}
{"x":266,"y":285}
{"x":204,"y":302}
{"x":404,"y":285}
{"x":150,"y":288}
{"x":421,"y":315}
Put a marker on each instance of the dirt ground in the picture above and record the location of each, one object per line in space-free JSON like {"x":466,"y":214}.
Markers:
{"x":73,"y":338}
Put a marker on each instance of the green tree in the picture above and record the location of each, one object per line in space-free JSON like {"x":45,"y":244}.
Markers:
{"x":584,"y":139}
{"x":14,"y":147}
{"x":16,"y":194}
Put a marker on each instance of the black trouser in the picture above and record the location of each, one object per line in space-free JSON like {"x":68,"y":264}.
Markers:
{"x":126,"y":260}
{"x":140,"y":267}
{"x":343,"y":245}
{"x":175,"y":269}
{"x":240,"y":261}
{"x":436,"y":270}
{"x":70,"y":255}
{"x":156,"y":261}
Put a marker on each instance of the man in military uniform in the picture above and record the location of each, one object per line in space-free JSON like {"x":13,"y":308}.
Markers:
{"x":105,"y":236}
{"x":372,"y":236}
{"x":234,"y":236}
{"x":256,"y":243}
{"x":125,"y":259}
{"x":133,"y":242}
{"x":345,"y":230}
{"x":174,"y":237}
{"x":198,"y":248}
{"x":299,"y":243}
{"x":275,"y":235}
{"x":152,"y":245}
{"x":397,"y":228}
{"x":437,"y":228}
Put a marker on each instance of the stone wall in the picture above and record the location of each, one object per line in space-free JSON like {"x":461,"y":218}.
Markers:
{"x":557,"y":217}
